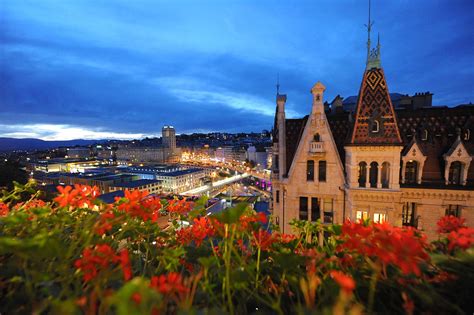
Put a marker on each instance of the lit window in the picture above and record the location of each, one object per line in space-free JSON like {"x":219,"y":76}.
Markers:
{"x":467,"y":135}
{"x":361,"y":215}
{"x":380,"y":217}
{"x":375,"y":126}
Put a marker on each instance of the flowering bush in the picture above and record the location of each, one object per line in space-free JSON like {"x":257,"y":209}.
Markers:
{"x":76,"y":255}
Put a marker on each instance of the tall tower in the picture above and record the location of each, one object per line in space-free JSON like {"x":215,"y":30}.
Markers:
{"x":169,"y":138}
{"x":373,"y":149}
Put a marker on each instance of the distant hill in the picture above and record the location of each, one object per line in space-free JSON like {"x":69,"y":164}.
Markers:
{"x":9,"y":144}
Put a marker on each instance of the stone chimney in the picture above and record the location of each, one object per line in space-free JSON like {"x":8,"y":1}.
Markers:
{"x":281,"y":121}
{"x":318,"y":91}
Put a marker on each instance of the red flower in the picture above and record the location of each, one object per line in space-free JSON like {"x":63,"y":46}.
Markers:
{"x":136,"y":297}
{"x":35,"y":203}
{"x":462,"y":238}
{"x":81,"y":196}
{"x":179,"y":206}
{"x":450,"y":223}
{"x":103,"y":225}
{"x":346,"y":282}
{"x":168,"y":284}
{"x":262,"y":239}
{"x":245,"y":220}
{"x":286,"y":238}
{"x":101,"y":257}
{"x":125,"y":263}
{"x":4,"y":210}
{"x":198,"y":232}
{"x":139,"y":204}
{"x":401,"y":247}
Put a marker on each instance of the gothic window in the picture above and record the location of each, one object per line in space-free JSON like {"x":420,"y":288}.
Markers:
{"x":375,"y":126}
{"x":455,"y":172}
{"x":467,"y":135}
{"x":317,"y":137}
{"x":385,"y":175}
{"x":322,"y":171}
{"x":362,"y":174}
{"x":409,"y":214}
{"x":303,"y":208}
{"x":454,"y":210}
{"x":310,"y":170}
{"x":315,"y":211}
{"x":328,"y":211}
{"x":373,"y":174}
{"x":411,"y":172}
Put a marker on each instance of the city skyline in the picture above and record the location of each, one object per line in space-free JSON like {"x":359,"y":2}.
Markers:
{"x":119,"y":70}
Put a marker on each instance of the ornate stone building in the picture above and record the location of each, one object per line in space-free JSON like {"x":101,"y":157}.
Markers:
{"x":407,"y":166}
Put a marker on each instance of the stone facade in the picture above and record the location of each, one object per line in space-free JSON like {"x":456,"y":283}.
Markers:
{"x":408,"y":167}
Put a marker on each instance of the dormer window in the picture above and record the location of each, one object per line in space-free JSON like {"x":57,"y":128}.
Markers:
{"x":424,"y":135}
{"x":467,"y":135}
{"x":375,"y":126}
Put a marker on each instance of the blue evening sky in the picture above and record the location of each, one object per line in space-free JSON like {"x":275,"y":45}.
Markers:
{"x":121,"y":69}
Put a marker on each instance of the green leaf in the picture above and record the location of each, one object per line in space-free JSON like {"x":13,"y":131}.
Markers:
{"x":231,"y":215}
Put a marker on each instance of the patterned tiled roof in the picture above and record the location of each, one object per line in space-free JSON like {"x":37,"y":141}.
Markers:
{"x":374,"y":105}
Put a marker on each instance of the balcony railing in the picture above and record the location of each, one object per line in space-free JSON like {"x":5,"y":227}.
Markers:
{"x":316,"y":147}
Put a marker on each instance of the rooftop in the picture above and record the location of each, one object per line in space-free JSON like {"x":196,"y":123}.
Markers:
{"x":137,"y":183}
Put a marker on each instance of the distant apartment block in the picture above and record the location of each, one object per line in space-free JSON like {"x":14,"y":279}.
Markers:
{"x":150,"y":185}
{"x":181,"y":181}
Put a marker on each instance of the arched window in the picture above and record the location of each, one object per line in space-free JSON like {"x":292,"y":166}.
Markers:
{"x":317,"y":137}
{"x":310,"y":170}
{"x":385,"y":175}
{"x":467,"y":134}
{"x":411,"y":172}
{"x":362,"y":174}
{"x":455,"y":172}
{"x":424,"y":135}
{"x":375,"y":126}
{"x":373,"y":174}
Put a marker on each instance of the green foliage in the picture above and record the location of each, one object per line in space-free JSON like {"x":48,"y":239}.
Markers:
{"x":225,"y":262}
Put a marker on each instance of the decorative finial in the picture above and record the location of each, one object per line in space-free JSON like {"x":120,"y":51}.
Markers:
{"x":373,"y":60}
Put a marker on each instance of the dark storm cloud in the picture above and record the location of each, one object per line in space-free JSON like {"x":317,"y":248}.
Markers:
{"x":124,"y":69}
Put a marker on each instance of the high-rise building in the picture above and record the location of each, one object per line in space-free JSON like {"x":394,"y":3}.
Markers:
{"x":169,"y":138}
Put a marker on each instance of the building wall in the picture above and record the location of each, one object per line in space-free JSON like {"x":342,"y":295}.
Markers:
{"x":329,"y":193}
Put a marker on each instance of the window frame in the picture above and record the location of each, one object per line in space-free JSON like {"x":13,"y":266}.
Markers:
{"x":322,"y":171}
